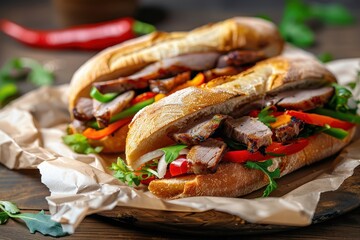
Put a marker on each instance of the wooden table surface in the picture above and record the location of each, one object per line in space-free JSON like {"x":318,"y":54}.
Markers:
{"x":24,"y":186}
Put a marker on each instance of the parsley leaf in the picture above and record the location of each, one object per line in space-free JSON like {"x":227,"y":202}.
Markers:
{"x":39,"y":222}
{"x":264,"y":116}
{"x":172,"y":152}
{"x":263,"y":166}
{"x":79,"y":144}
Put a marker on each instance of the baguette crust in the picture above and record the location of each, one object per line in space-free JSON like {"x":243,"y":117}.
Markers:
{"x":150,"y":127}
{"x":129,"y":57}
{"x":234,"y":180}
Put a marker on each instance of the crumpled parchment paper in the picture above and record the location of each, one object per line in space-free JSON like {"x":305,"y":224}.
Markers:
{"x":30,"y":136}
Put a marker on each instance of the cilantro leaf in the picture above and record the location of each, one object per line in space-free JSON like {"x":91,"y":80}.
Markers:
{"x":7,"y":91}
{"x":127,"y":175}
{"x":263,"y":166}
{"x":172,"y":152}
{"x":264,"y":116}
{"x":39,"y":222}
{"x":332,"y":14}
{"x":325,"y":57}
{"x":79,"y":144}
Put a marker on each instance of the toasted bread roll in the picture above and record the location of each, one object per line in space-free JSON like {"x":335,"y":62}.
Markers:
{"x":234,"y":180}
{"x":150,"y":127}
{"x":239,"y":33}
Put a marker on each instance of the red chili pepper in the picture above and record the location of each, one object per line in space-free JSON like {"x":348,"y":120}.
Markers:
{"x":274,"y":150}
{"x":320,"y":120}
{"x":142,"y":97}
{"x":87,"y":37}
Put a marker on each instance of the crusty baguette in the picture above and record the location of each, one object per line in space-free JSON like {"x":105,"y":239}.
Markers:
{"x":234,"y":180}
{"x":150,"y":127}
{"x":129,"y":57}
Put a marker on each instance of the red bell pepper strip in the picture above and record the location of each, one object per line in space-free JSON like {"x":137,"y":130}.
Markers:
{"x":87,"y":37}
{"x":274,"y":150}
{"x":179,"y":166}
{"x":142,"y":97}
{"x":94,"y":134}
{"x":320,"y":120}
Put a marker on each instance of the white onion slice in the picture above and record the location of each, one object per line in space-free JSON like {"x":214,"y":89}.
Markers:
{"x":162,"y":167}
{"x":184,"y":151}
{"x":148,"y":157}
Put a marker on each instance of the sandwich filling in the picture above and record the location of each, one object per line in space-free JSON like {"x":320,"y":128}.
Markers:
{"x":113,"y":103}
{"x":276,"y":126}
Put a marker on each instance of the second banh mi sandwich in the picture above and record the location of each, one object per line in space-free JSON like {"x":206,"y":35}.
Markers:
{"x":238,"y":133}
{"x":113,"y":85}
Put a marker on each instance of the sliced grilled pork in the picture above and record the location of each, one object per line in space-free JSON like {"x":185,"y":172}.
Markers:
{"x":205,"y":157}
{"x":104,"y":111}
{"x":218,"y":72}
{"x":288,"y":130}
{"x":249,"y":131}
{"x":239,"y":57}
{"x":166,"y":85}
{"x":83,"y":110}
{"x":305,"y":99}
{"x":162,"y":69}
{"x":199,"y":132}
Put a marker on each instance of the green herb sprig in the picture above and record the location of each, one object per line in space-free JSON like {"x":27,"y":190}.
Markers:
{"x":263,"y":166}
{"x":265,"y":117}
{"x":79,"y":144}
{"x":21,"y":68}
{"x":39,"y":222}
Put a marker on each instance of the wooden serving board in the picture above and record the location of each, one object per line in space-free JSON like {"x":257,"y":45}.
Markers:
{"x":214,"y":223}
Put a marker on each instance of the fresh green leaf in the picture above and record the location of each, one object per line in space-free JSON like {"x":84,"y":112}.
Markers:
{"x":265,"y":117}
{"x":4,"y":217}
{"x":332,"y":14}
{"x":235,"y":145}
{"x":39,"y":222}
{"x":7,"y":91}
{"x":325,"y":57}
{"x":127,"y":175}
{"x":264,"y":16}
{"x":38,"y":75}
{"x":297,"y":33}
{"x":9,"y":207}
{"x":42,"y":223}
{"x":339,"y":100}
{"x":172,"y":152}
{"x":79,"y":143}
{"x":263,"y":166}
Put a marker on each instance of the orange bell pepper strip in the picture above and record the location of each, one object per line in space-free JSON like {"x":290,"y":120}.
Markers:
{"x":196,"y":81}
{"x":142,"y":97}
{"x":94,"y":134}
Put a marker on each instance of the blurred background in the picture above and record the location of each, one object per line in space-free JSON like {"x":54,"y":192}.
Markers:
{"x":333,"y":34}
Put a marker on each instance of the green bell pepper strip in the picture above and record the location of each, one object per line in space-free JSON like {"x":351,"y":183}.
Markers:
{"x":104,"y":98}
{"x":131,"y":111}
{"x":348,"y":117}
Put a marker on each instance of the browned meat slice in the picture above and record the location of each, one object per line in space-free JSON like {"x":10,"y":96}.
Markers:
{"x":162,"y":69}
{"x":239,"y":57}
{"x":204,"y":158}
{"x":200,"y":132}
{"x":104,"y":111}
{"x":83,"y":110}
{"x":166,"y":85}
{"x":249,"y":131}
{"x":305,"y":99}
{"x":218,"y":72}
{"x":289,"y":130}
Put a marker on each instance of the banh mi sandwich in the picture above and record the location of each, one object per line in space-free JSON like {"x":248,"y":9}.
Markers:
{"x":112,"y":86}
{"x":238,"y":133}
